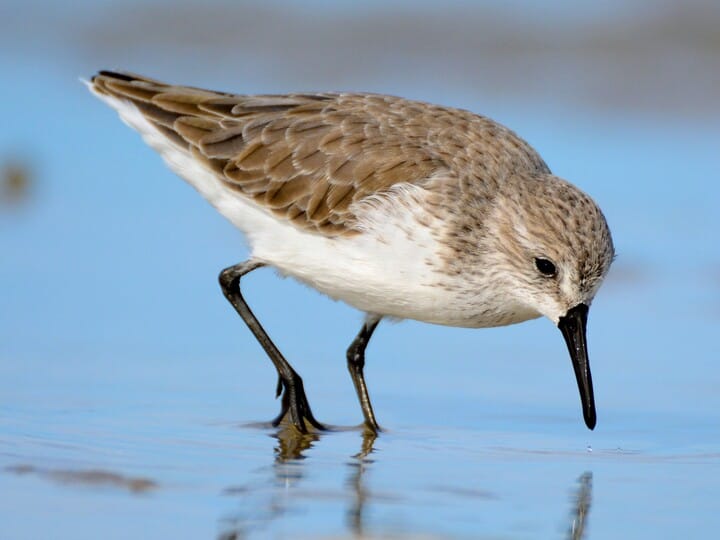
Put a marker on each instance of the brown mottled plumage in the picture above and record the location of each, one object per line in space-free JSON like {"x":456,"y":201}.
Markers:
{"x":308,"y":157}
{"x":398,"y":207}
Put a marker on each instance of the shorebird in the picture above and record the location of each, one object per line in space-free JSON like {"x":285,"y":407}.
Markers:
{"x":400,"y":208}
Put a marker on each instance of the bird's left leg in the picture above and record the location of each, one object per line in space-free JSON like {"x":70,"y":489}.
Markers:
{"x":294,"y":400}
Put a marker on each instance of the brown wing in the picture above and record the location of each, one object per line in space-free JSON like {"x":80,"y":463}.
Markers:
{"x":305,"y":157}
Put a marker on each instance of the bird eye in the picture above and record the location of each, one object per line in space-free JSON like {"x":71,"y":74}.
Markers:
{"x":546,"y":267}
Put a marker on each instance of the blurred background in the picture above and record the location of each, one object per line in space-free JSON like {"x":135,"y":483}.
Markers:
{"x":118,"y":351}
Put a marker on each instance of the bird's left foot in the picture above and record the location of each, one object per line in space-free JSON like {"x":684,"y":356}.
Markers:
{"x":295,"y":404}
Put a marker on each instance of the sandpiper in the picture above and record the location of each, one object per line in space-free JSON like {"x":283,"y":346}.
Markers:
{"x":397,"y":207}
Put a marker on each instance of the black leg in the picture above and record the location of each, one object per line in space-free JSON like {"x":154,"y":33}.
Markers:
{"x":356,"y":363}
{"x":290,"y":384}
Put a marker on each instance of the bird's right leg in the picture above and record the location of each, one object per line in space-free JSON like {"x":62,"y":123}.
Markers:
{"x":356,"y":365}
{"x":290,"y":384}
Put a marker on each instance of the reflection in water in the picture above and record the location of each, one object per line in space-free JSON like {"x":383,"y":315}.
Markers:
{"x":292,"y":444}
{"x":266,"y":505}
{"x":582,"y":501}
{"x":356,"y":483}
{"x":288,"y":472}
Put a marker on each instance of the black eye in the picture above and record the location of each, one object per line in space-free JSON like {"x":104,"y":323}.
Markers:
{"x":546,"y":267}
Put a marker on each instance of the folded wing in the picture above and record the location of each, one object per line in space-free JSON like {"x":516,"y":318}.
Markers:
{"x":304,"y":157}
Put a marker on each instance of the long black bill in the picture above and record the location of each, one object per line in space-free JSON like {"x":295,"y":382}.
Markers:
{"x":573,"y":327}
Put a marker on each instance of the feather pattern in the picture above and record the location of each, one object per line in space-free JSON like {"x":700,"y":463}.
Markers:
{"x":311,"y":158}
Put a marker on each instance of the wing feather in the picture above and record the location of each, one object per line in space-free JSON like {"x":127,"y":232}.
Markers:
{"x":308,"y":157}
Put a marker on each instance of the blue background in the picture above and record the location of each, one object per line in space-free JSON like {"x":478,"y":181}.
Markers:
{"x":119,"y":353}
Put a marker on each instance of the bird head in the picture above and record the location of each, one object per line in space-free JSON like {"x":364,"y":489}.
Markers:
{"x":557,"y":245}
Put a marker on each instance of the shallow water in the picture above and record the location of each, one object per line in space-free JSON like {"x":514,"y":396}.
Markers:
{"x":155,"y":465}
{"x":132,"y":397}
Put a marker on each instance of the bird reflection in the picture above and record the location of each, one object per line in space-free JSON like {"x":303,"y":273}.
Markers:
{"x":356,"y":484}
{"x":292,"y":443}
{"x":289,"y":453}
{"x":581,"y":509}
{"x":270,"y":502}
{"x":288,"y":471}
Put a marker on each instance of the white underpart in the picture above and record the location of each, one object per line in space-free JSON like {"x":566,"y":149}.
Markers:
{"x":383,"y":271}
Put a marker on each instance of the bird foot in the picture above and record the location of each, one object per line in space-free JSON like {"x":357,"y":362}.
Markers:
{"x":295,"y":405}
